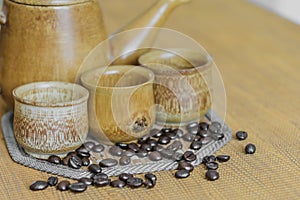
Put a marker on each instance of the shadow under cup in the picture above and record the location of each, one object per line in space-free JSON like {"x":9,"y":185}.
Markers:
{"x":121,"y":103}
{"x":183,"y":84}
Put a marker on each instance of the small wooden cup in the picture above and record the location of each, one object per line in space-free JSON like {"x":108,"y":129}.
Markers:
{"x":121,"y":103}
{"x":182,"y":84}
{"x":50,"y":117}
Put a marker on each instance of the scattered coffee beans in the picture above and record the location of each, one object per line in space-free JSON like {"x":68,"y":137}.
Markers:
{"x":212,"y":175}
{"x":250,"y":149}
{"x":63,"y":185}
{"x":241,"y":135}
{"x":77,"y":187}
{"x":183,"y":173}
{"x":223,"y":158}
{"x":38,"y":185}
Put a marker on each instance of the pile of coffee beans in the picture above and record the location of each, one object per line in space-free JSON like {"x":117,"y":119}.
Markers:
{"x":97,"y":180}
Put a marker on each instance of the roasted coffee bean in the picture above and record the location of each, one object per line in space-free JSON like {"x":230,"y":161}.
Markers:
{"x":89,"y":145}
{"x":83,"y":152}
{"x":85,"y":180}
{"x":210,"y":158}
{"x":188,"y":137}
{"x":115,"y":151}
{"x":125,"y":176}
{"x":63,"y":185}
{"x":167,"y":153}
{"x":177,"y":156}
{"x":241,"y":135}
{"x":75,"y":162}
{"x":101,"y":182}
{"x":151,"y":177}
{"x":212,"y":175}
{"x":95,"y":168}
{"x":77,"y":187}
{"x":38,"y":185}
{"x":179,"y":132}
{"x":125,"y":160}
{"x":146,"y":147}
{"x":206,"y":140}
{"x":155,"y":156}
{"x":203,"y":126}
{"x":218,"y":136}
{"x":196,"y":145}
{"x":52,"y":181}
{"x":123,"y":146}
{"x":211,"y":165}
{"x":143,"y":139}
{"x":134,"y":182}
{"x":193,"y":130}
{"x":85,"y":161}
{"x":133,"y":146}
{"x":175,"y":146}
{"x":142,"y":153}
{"x":158,"y":148}
{"x":65,"y":160}
{"x":152,"y":143}
{"x":128,"y":153}
{"x":203,"y":133}
{"x":223,"y":158}
{"x":166,"y":130}
{"x":250,"y":149}
{"x":99,"y":176}
{"x":154,"y":132}
{"x":118,"y":184}
{"x":182,"y":173}
{"x":54,"y":159}
{"x":189,"y":156}
{"x":164,"y":139}
{"x":185,"y":165}
{"x":192,"y":125}
{"x":172,"y":135}
{"x":98,"y":148}
{"x":215,"y":126}
{"x":108,"y":162}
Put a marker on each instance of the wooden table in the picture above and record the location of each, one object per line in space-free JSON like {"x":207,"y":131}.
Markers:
{"x":257,"y":53}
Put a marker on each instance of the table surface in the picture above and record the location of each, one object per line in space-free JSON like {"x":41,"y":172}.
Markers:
{"x":257,"y":53}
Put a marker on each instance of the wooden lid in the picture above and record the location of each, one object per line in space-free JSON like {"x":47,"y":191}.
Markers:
{"x":50,"y":2}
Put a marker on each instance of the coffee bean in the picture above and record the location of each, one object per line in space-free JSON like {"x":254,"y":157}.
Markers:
{"x":179,"y":132}
{"x":155,"y":156}
{"x":223,"y":158}
{"x":166,"y":130}
{"x":134,"y":182}
{"x":133,"y":146}
{"x":164,"y":140}
{"x":193,"y":130}
{"x":175,"y":146}
{"x":85,"y":161}
{"x":38,"y":185}
{"x":188,"y":137}
{"x":54,"y":159}
{"x":211,"y":165}
{"x":142,"y":153}
{"x":150,"y":181}
{"x":203,"y":133}
{"x":250,"y":149}
{"x":108,"y":162}
{"x":215,"y":126}
{"x":115,"y":151}
{"x":52,"y":181}
{"x":75,"y":162}
{"x":206,"y":140}
{"x":77,"y":187}
{"x":189,"y":156}
{"x":210,"y":158}
{"x":150,"y":176}
{"x":192,"y":125}
{"x":83,"y":152}
{"x":85,"y":180}
{"x":196,"y":145}
{"x":123,"y":146}
{"x":118,"y":184}
{"x":241,"y":135}
{"x":155,"y":133}
{"x":89,"y":145}
{"x":203,"y":126}
{"x":212,"y":175}
{"x":124,"y":160}
{"x":125,"y":176}
{"x":172,"y":135}
{"x":99,"y":176}
{"x":65,"y":160}
{"x":63,"y":185}
{"x":93,"y":168}
{"x":185,"y":165}
{"x":146,"y":147}
{"x":152,"y":143}
{"x":218,"y":136}
{"x":101,"y":182}
{"x":182,"y":173}
{"x":158,"y":148}
{"x":143,"y":139}
{"x":98,"y":148}
{"x":128,"y":153}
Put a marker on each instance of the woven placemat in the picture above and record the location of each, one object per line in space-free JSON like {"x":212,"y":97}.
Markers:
{"x":137,"y":166}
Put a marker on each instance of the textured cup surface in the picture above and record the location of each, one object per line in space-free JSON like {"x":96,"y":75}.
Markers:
{"x":121,"y":102}
{"x":50,"y":117}
{"x":182,"y":84}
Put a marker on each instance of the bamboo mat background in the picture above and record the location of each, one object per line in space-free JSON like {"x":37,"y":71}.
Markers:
{"x":257,"y":53}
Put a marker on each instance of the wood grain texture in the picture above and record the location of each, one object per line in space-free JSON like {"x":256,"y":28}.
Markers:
{"x":257,"y":53}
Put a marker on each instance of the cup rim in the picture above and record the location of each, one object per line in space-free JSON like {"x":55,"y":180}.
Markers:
{"x":48,"y":84}
{"x":100,"y":70}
